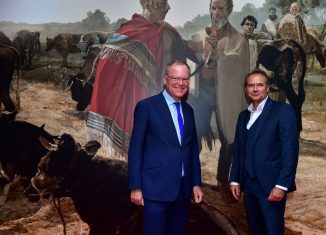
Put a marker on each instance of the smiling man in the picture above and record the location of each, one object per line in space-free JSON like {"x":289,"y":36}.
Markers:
{"x":163,"y":159}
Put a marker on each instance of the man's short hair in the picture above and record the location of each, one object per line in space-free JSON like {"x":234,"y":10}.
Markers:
{"x":177,"y":62}
{"x":256,"y":71}
{"x":249,"y":18}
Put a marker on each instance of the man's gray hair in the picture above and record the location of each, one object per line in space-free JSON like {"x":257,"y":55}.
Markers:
{"x":145,"y":3}
{"x":177,"y":62}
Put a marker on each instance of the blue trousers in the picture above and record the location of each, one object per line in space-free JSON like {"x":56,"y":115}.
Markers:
{"x":166,"y":218}
{"x":264,"y":217}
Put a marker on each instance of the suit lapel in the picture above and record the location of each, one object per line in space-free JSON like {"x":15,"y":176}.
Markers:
{"x":263,"y":118}
{"x":165,"y":114}
{"x":243,"y":126}
{"x":246,"y":119}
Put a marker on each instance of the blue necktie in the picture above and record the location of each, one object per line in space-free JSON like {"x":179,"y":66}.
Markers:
{"x":180,"y":120}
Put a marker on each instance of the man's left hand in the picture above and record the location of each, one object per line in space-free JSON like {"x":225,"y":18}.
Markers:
{"x":276,"y":195}
{"x":198,"y":194}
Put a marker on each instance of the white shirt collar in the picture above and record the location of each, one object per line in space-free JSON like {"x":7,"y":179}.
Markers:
{"x":168,"y":98}
{"x":260,"y":106}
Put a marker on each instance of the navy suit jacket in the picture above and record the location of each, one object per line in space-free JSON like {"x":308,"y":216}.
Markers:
{"x":155,"y":155}
{"x":276,"y":147}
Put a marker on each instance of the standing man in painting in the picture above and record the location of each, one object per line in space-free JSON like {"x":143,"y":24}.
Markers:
{"x":249,"y":23}
{"x":226,"y":52}
{"x":163,"y":158}
{"x":293,"y":27}
{"x":130,"y":69}
{"x":265,"y":157}
{"x":270,"y":26}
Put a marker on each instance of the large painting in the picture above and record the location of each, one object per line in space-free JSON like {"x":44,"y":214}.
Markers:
{"x":111,"y":54}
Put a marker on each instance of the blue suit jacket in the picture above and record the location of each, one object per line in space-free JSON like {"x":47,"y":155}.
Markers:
{"x":276,"y":147}
{"x":155,"y":155}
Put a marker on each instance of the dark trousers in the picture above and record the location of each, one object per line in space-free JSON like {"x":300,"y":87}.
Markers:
{"x":264,"y":217}
{"x":166,"y":218}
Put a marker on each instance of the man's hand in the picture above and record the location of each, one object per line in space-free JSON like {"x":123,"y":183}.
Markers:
{"x":235,"y":190}
{"x":211,"y":31}
{"x":276,"y":195}
{"x":198,"y":194}
{"x":212,"y":41}
{"x":136,"y":197}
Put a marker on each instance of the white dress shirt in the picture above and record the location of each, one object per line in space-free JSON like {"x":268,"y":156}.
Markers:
{"x":255,"y":114}
{"x":253,"y":117}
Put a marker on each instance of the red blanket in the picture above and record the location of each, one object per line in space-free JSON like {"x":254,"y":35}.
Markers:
{"x":124,"y":77}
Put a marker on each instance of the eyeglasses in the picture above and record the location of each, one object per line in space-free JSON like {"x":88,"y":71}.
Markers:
{"x":185,"y":80}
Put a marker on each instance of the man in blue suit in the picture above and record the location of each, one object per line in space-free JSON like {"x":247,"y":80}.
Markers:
{"x":265,"y":157}
{"x":163,"y":159}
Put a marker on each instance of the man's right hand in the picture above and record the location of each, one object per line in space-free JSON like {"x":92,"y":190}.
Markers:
{"x":235,"y":190}
{"x":136,"y":197}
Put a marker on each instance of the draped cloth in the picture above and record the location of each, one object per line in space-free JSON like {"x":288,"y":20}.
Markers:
{"x":232,"y":68}
{"x":253,"y":50}
{"x":128,"y":70}
{"x":271,"y":27}
{"x":292,"y":27}
{"x":226,"y":86}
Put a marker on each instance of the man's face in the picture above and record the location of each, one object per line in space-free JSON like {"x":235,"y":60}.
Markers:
{"x":256,"y":88}
{"x":294,"y":9}
{"x":248,"y":28}
{"x":176,"y":83}
{"x":272,"y":15}
{"x":158,"y":10}
{"x":219,"y":12}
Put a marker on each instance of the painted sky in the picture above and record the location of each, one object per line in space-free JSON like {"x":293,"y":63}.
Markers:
{"x":64,"y":11}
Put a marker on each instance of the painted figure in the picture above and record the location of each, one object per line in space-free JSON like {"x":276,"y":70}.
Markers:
{"x":249,"y":23}
{"x":129,"y":69}
{"x":226,"y":55}
{"x":270,"y":26}
{"x":292,"y":26}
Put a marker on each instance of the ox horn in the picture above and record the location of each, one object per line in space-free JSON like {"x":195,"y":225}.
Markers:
{"x":72,"y":82}
{"x":46,"y":144}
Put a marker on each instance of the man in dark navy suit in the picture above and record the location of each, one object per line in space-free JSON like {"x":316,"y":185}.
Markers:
{"x":265,"y":157}
{"x":163,"y":159}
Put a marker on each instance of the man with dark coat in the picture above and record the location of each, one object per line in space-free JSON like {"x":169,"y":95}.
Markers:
{"x":265,"y":157}
{"x":163,"y":159}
